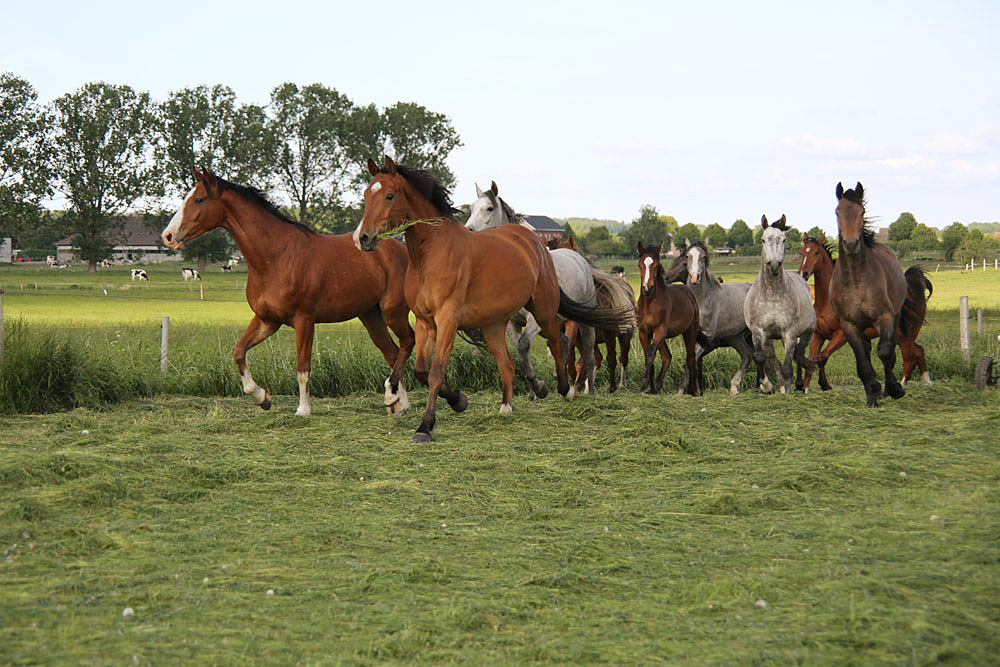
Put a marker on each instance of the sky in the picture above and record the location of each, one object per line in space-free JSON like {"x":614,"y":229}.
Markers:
{"x":709,"y":111}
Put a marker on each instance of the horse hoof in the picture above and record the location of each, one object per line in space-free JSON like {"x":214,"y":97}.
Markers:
{"x":896,"y":393}
{"x":543,"y":391}
{"x":800,"y":386}
{"x":506,"y":409}
{"x":420,"y":436}
{"x":266,"y":403}
{"x":460,"y":403}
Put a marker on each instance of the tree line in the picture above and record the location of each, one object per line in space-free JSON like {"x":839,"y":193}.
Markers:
{"x":107,"y":149}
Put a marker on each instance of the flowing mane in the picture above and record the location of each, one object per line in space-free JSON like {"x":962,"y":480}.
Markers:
{"x":255,"y":196}
{"x":430,"y":187}
{"x":867,"y":231}
{"x":826,"y":245}
{"x":509,"y":213}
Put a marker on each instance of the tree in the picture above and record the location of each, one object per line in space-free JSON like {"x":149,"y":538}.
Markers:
{"x":924,"y":238}
{"x":740,"y":234}
{"x":815,"y":232}
{"x":647,"y":229}
{"x":688,"y":232}
{"x":318,"y":155}
{"x":716,"y":235}
{"x":103,"y":140}
{"x":599,"y":241}
{"x":25,"y":167}
{"x":671,"y":223}
{"x":903,"y":227}
{"x":420,"y":138}
{"x":204,"y":127}
{"x":951,"y":237}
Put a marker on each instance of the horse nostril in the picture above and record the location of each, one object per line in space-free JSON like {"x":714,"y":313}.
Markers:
{"x":169,"y":237}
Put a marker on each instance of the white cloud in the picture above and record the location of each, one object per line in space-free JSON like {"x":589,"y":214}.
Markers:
{"x":828,"y":146}
{"x":908,"y":161}
{"x":951,"y":144}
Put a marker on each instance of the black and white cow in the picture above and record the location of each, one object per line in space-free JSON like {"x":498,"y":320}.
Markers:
{"x":226,"y":268}
{"x":139,"y":274}
{"x":618,"y":271}
{"x":190,"y":273}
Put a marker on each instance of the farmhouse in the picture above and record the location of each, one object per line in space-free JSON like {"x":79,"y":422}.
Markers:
{"x":132,"y":238}
{"x":546,"y":228}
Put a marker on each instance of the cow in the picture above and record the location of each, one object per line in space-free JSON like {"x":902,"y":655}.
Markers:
{"x":104,"y":264}
{"x":226,"y":268}
{"x":233,"y":262}
{"x":618,"y":271}
{"x":190,"y":273}
{"x":50,"y":260}
{"x":140,"y":275}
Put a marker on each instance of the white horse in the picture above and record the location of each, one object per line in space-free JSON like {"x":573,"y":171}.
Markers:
{"x":778,"y":307}
{"x":577,"y":278}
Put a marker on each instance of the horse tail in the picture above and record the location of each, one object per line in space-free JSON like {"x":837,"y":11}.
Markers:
{"x":918,"y":290}
{"x":616,"y":294}
{"x":598,"y":316}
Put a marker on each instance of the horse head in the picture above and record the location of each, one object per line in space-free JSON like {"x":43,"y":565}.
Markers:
{"x":810,"y":253}
{"x":851,"y":218}
{"x":773,"y":242}
{"x":696,"y":256}
{"x":649,"y":267}
{"x":487,"y":210}
{"x":202,"y":211}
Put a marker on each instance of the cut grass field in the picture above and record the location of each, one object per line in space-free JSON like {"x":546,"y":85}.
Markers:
{"x":621,"y":528}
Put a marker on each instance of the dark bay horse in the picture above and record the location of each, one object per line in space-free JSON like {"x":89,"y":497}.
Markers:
{"x":817,"y":261}
{"x":867,"y":291}
{"x":297,"y":277}
{"x":459,"y":278}
{"x":665,"y":311}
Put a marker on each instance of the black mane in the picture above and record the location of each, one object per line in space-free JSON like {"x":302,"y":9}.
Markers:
{"x":505,"y":208}
{"x":430,"y":187}
{"x":255,"y":196}
{"x":827,"y":245}
{"x":867,"y":231}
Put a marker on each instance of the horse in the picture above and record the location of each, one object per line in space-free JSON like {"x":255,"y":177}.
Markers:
{"x":299,"y":278}
{"x":665,"y":311}
{"x":457,"y":278}
{"x":778,"y":307}
{"x":817,"y":260}
{"x":720,"y":312}
{"x":867,"y":291}
{"x":581,"y":281}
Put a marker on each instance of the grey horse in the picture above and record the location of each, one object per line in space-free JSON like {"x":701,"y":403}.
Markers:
{"x":721,"y":312}
{"x":577,"y":278}
{"x":778,"y":307}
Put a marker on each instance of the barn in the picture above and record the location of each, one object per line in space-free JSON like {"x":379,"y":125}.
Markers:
{"x":546,"y":228}
{"x":133,"y":239}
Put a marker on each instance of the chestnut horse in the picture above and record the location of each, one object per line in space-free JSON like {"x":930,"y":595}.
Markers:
{"x":297,"y":277}
{"x":817,"y":260}
{"x":665,"y":311}
{"x":867,"y":291}
{"x":459,"y":278}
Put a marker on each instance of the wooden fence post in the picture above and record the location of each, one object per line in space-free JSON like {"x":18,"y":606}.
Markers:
{"x":963,"y":326}
{"x":1,"y":328}
{"x":202,"y":290}
{"x":164,"y":338}
{"x":979,"y":321}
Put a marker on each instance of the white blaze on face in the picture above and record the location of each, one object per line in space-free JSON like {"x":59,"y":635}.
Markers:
{"x":174,"y":226}
{"x":694,"y":264}
{"x":649,"y":263}
{"x":375,"y":187}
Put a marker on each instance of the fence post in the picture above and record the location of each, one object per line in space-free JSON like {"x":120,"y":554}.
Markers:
{"x":963,"y":326}
{"x":979,"y":321}
{"x":1,"y":327}
{"x":164,"y":338}
{"x":202,"y":290}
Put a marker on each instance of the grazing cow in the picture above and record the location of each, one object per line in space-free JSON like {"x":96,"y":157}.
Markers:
{"x":50,"y":260}
{"x":233,"y":262}
{"x":62,"y":266}
{"x":190,"y":273}
{"x":226,"y":268}
{"x":104,"y":264}
{"x":618,"y":271}
{"x":140,"y":275}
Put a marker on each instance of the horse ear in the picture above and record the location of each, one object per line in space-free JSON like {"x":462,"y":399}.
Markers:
{"x":805,"y":237}
{"x":840,"y":191}
{"x":783,"y":219}
{"x":390,"y":166}
{"x":493,"y":188}
{"x":211,"y":182}
{"x":687,"y":243}
{"x":860,"y":191}
{"x":479,"y":193}
{"x":197,"y":174}
{"x":373,"y":167}
{"x":763,"y":221}
{"x":658,"y":248}
{"x":640,"y":248}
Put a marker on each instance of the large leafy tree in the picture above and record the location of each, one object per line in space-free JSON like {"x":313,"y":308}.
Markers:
{"x":25,"y":166}
{"x":923,"y":238}
{"x":420,"y":138}
{"x":647,"y":229}
{"x":689,"y":232}
{"x":102,"y":145}
{"x":206,"y":128}
{"x":716,"y":235}
{"x":951,"y":237}
{"x":740,"y":234}
{"x":903,"y":227}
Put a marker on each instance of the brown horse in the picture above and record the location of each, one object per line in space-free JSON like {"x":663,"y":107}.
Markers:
{"x":297,"y":277}
{"x":459,"y":278}
{"x":867,"y":291}
{"x":665,"y":311}
{"x":817,"y":260}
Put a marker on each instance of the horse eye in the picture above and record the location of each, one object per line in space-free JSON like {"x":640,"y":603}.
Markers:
{"x":198,"y":200}
{"x":390,"y":196}
{"x":490,"y":209}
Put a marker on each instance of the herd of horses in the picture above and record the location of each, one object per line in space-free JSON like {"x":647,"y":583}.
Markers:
{"x":492,"y":278}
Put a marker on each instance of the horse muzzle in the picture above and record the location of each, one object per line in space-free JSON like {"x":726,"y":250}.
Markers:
{"x":365,"y":241}
{"x":172,"y":241}
{"x":774,"y":268}
{"x":646,"y":290}
{"x":694,"y":278}
{"x":805,"y":275}
{"x":851,"y":246}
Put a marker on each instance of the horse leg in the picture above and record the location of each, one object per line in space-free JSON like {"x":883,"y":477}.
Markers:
{"x":690,"y":365}
{"x":304,"y":329}
{"x":585,"y":380}
{"x":913,"y":357}
{"x":536,"y":388}
{"x":745,"y":351}
{"x":625,"y":343}
{"x":555,"y":341}
{"x":610,"y":341}
{"x":424,"y":345}
{"x":761,"y":360}
{"x":789,"y":340}
{"x":396,"y":401}
{"x":257,"y":331}
{"x":862,"y":357}
{"x":665,"y":359}
{"x":647,"y":364}
{"x":888,"y":330}
{"x":815,"y":345}
{"x":496,"y":342}
{"x":446,"y":325}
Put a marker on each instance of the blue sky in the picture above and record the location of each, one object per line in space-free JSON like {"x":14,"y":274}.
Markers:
{"x":710,"y":112}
